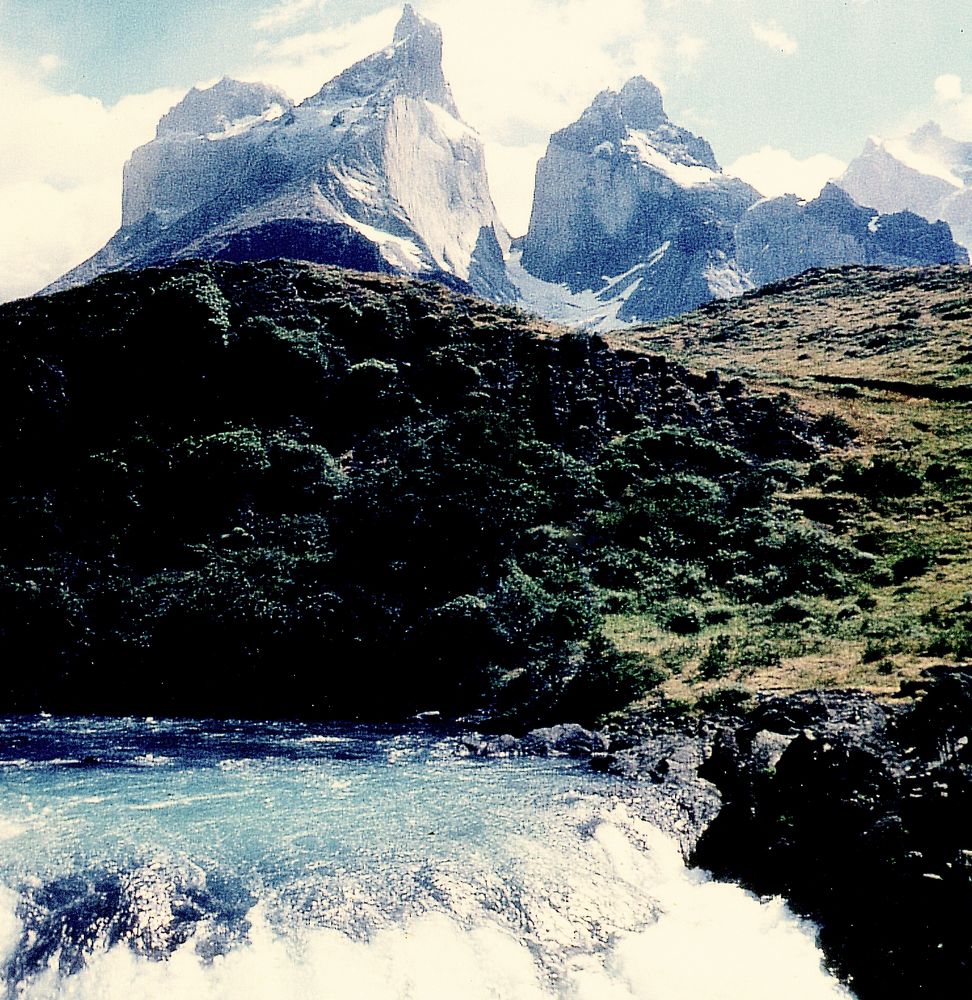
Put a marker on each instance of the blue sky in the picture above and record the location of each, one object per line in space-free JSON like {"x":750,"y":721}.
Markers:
{"x":785,"y":90}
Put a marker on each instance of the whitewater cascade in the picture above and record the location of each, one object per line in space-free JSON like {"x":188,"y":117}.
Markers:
{"x":158,"y":859}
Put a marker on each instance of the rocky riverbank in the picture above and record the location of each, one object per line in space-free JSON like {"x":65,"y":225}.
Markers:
{"x":858,"y":814}
{"x":855,"y":810}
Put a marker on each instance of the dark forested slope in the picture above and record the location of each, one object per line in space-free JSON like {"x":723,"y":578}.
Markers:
{"x":281,"y":488}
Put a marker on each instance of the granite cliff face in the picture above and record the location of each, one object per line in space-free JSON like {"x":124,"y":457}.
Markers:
{"x":376,"y":171}
{"x":632,"y":213}
{"x":183,"y":166}
{"x":927,"y":172}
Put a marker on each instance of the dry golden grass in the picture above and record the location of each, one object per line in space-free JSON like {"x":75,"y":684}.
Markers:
{"x":890,"y":352}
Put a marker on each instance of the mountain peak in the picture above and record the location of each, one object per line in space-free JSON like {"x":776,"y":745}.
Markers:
{"x":411,"y":66}
{"x":641,"y":104}
{"x":930,"y":130}
{"x":412,"y":23}
{"x":212,"y":108}
{"x":636,"y":115}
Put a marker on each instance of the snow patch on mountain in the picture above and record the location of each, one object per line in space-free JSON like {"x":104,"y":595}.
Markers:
{"x":587,"y":309}
{"x":725,"y":278}
{"x":231,"y":128}
{"x":683,"y":174}
{"x":400,"y":252}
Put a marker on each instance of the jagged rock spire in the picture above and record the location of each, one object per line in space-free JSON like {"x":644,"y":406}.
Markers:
{"x":420,"y":43}
{"x":411,"y":66}
{"x":641,"y":104}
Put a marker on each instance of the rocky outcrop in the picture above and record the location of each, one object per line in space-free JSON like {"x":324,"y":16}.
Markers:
{"x":780,"y":237}
{"x":854,"y":810}
{"x":857,"y":813}
{"x":376,"y":170}
{"x":567,"y":740}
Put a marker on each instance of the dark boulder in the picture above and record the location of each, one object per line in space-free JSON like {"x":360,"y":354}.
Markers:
{"x":571,"y":740}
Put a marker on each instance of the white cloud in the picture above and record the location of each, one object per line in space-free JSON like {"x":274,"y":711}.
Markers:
{"x":775,"y":172}
{"x":511,"y":172}
{"x":286,"y":13}
{"x":49,"y":62}
{"x":954,"y":106}
{"x":60,"y":175}
{"x":516,"y":89}
{"x":689,"y":49}
{"x":774,"y":37}
{"x":302,"y":63}
{"x":948,"y":88}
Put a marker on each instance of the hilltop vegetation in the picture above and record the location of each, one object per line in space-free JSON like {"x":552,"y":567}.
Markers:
{"x":884,"y":356}
{"x":286,"y":489}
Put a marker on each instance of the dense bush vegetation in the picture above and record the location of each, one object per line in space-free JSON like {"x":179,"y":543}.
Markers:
{"x":283,"y":489}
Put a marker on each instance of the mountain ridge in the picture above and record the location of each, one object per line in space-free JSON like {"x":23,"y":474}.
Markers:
{"x":633,"y":218}
{"x":926,"y":172}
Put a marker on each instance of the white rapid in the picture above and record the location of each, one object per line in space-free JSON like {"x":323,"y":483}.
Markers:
{"x":166,"y":860}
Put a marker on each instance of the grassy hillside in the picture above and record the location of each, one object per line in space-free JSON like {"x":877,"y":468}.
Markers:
{"x":886,"y":356}
{"x":286,"y":489}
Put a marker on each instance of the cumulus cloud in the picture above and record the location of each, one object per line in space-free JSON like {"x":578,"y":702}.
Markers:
{"x":286,"y":13}
{"x":60,"y":175}
{"x":301,"y":63}
{"x":512,"y":170}
{"x":948,"y":88}
{"x":954,"y":105}
{"x":775,"y":172}
{"x":689,"y":49}
{"x":774,"y":37}
{"x":530,"y":90}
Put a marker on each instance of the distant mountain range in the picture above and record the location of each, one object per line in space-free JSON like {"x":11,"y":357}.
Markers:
{"x":633,"y":218}
{"x":925,"y":172}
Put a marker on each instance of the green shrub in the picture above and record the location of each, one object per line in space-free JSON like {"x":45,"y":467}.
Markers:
{"x":683,"y":621}
{"x":834,"y":430}
{"x":874,"y":650}
{"x":726,"y":700}
{"x":912,"y":564}
{"x":717,"y":660}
